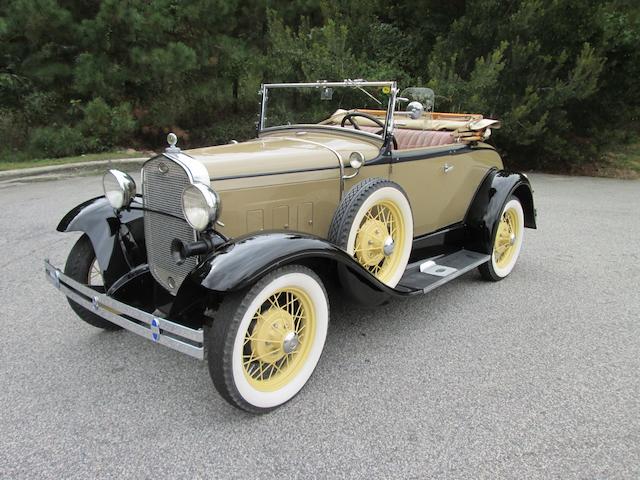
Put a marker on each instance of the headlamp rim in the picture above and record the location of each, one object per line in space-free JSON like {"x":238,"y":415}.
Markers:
{"x":211,"y":199}
{"x":125,"y":182}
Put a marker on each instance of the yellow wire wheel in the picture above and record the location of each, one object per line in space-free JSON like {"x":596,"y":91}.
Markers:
{"x":507,"y":243}
{"x":508,"y":232}
{"x":265,"y":344}
{"x":380,"y":238}
{"x":374,"y":224}
{"x":278,"y":339}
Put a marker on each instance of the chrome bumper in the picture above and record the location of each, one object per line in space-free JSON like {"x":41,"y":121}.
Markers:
{"x":159,"y":330}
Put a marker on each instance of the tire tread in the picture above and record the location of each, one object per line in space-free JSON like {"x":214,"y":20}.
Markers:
{"x":220,"y":337}
{"x":77,"y":267}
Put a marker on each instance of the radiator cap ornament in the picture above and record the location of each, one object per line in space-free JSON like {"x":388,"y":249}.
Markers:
{"x":172,"y":139}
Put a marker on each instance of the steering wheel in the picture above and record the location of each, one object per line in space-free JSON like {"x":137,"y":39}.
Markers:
{"x":349,"y":116}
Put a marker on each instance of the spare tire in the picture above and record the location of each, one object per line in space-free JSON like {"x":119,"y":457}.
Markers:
{"x":374,"y":224}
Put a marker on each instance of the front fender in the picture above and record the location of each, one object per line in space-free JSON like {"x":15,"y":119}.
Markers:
{"x":483,"y":215}
{"x":115,"y":235}
{"x":239,"y":264}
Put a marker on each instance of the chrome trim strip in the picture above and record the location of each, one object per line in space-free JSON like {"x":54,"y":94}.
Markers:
{"x":196,"y":171}
{"x":158,"y":330}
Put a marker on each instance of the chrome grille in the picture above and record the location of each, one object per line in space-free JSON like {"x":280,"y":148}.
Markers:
{"x":162,"y":194}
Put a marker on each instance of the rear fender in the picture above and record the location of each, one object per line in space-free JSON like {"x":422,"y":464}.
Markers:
{"x":483,"y":215}
{"x":117,"y":236}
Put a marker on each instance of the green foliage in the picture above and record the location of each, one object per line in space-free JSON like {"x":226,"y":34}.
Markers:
{"x":105,"y":127}
{"x":562,"y":75}
{"x":542,"y":70}
{"x":55,"y":142}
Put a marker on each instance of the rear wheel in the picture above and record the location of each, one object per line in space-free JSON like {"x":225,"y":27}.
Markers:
{"x":82,"y":266}
{"x":265,"y":343}
{"x":507,"y":242}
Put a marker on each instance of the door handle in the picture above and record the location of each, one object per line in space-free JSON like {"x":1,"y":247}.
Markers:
{"x":447,"y":168}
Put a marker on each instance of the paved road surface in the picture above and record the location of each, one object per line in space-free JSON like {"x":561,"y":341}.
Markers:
{"x":533,"y":377}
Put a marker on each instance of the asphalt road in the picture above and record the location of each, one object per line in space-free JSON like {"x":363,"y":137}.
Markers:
{"x":533,"y":377}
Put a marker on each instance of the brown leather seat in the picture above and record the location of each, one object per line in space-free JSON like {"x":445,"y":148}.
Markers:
{"x":417,"y":138}
{"x":421,"y":138}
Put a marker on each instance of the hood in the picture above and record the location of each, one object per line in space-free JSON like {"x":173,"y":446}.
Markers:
{"x":282,"y":152}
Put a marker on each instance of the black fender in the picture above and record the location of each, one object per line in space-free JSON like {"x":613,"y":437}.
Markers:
{"x":117,"y":236}
{"x":483,"y":214}
{"x":239,"y":264}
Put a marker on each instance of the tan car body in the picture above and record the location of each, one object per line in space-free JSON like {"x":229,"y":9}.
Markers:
{"x":291,"y":178}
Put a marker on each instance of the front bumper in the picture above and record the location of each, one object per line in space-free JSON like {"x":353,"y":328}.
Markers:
{"x":158,"y":330}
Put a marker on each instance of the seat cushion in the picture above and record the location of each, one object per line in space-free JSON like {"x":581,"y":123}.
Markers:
{"x":421,"y":138}
{"x":417,"y":138}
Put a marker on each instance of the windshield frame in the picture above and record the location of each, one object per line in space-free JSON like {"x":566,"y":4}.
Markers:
{"x":388,"y":124}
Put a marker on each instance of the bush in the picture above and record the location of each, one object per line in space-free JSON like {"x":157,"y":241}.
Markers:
{"x":106,"y":127}
{"x":55,"y":142}
{"x":13,"y":126}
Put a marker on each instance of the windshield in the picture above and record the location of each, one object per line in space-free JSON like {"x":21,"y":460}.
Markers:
{"x":326,"y":103}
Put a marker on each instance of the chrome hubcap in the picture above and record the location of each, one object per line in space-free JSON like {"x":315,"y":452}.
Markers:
{"x":388,"y":247}
{"x":290,"y":342}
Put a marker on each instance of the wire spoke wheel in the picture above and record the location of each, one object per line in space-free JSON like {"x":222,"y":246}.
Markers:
{"x":380,"y":240}
{"x":277,"y":341}
{"x":266,"y":342}
{"x":506,"y":238}
{"x":507,"y":243}
{"x":374,"y":225}
{"x":94,"y":278}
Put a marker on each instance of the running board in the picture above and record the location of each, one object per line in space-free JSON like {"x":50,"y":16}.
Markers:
{"x":430,"y":273}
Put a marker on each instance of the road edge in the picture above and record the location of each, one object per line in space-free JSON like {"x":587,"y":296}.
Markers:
{"x":72,"y":169}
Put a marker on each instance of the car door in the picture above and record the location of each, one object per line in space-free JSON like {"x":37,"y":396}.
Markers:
{"x":437,"y":181}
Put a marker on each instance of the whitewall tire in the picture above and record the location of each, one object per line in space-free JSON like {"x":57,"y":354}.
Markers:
{"x":265,"y":344}
{"x":374,"y":224}
{"x":507,"y":242}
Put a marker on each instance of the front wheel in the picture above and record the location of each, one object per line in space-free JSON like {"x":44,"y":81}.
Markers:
{"x":82,"y":266}
{"x":265,"y":343}
{"x":507,"y":242}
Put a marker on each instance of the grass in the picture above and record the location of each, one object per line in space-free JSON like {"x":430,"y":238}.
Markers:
{"x":89,"y":157}
{"x":623,"y":162}
{"x":618,"y":161}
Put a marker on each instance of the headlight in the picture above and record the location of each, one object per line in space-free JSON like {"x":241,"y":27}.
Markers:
{"x":200,"y":205}
{"x":119,"y":188}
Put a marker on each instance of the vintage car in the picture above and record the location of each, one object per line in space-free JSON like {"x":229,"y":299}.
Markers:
{"x":228,"y":249}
